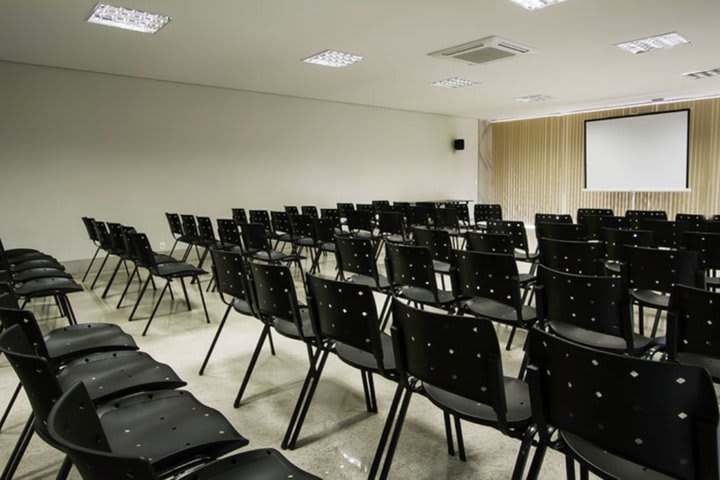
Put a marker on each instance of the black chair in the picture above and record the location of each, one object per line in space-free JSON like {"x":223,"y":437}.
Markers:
{"x":615,"y":241}
{"x":192,"y":235}
{"x":176,"y":230}
{"x":360,"y":223}
{"x":489,"y":242}
{"x":118,"y":248}
{"x":689,"y":217}
{"x":109,"y":375}
{"x":464,"y":380}
{"x":561,"y":231}
{"x":580,"y":258}
{"x":463,"y":213}
{"x":239,"y":215}
{"x":621,"y":417}
{"x":518,"y":234}
{"x":207,"y":237}
{"x":282,"y":230}
{"x":484,"y":212}
{"x":651,"y":274}
{"x":291,"y":210}
{"x":325,"y":236}
{"x":102,"y":451}
{"x":411,"y":275}
{"x":306,"y":237}
{"x":391,"y":227}
{"x":708,"y":246}
{"x":257,"y":246}
{"x":439,"y":242}
{"x":262,"y":217}
{"x":447,"y":219}
{"x":689,"y":222}
{"x":345,"y":321}
{"x":365,"y":207}
{"x":595,"y":224}
{"x":420,"y":215}
{"x":166,"y":271}
{"x":693,"y":336}
{"x":588,"y":212}
{"x":488,"y":286}
{"x":229,"y":235}
{"x":635,"y":216}
{"x":310,"y":210}
{"x":345,"y":208}
{"x":92,"y":235}
{"x":106,"y":245}
{"x":553,"y":218}
{"x":665,"y":232}
{"x":590,"y":310}
{"x":380,"y":205}
{"x":333,"y":214}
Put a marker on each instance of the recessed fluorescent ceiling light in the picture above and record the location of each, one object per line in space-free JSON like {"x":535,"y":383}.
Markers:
{"x":454,"y":82}
{"x":536,"y":4}
{"x":667,"y":40}
{"x":334,"y":59}
{"x":533,"y":98}
{"x":715,"y":72}
{"x":135,"y":20}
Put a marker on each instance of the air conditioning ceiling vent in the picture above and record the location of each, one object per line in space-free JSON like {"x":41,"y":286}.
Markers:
{"x":484,"y":50}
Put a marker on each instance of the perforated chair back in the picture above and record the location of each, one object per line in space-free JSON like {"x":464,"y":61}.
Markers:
{"x":458,"y":354}
{"x":580,"y":258}
{"x":189,"y":225}
{"x":693,"y":325}
{"x":115,"y":231}
{"x":231,"y":274}
{"x":345,"y":208}
{"x":380,"y":205}
{"x":324,"y":230}
{"x":331,"y":214}
{"x":665,"y":231}
{"x":175,"y":224}
{"x":661,"y":270}
{"x":447,"y":218}
{"x":303,"y":226}
{"x":365,"y":207}
{"x":578,"y":389}
{"x":683,"y":217}
{"x":487,"y":275}
{"x":360,"y":220}
{"x":437,"y":241}
{"x":584,"y":212}
{"x":553,"y":218}
{"x":239,"y":215}
{"x":262,"y":217}
{"x":275,"y":292}
{"x":561,"y":231}
{"x":489,"y":242}
{"x":356,"y":255}
{"x":103,"y":236}
{"x":228,"y":232}
{"x":291,"y":210}
{"x":143,"y":252}
{"x":635,"y":216}
{"x":130,"y":252}
{"x":205,"y":229}
{"x":281,"y":222}
{"x":689,"y":222}
{"x":595,"y":224}
{"x":391,"y":223}
{"x":11,"y":315}
{"x":410,"y":266}
{"x":309,"y":210}
{"x":615,"y":241}
{"x":418,"y":215}
{"x":515,"y":229}
{"x":254,"y":237}
{"x":90,"y":228}
{"x":463,"y":212}
{"x":484,"y":212}
{"x":707,"y":244}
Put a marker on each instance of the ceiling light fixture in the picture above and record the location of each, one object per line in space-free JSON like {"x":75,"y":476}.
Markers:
{"x":128,"y":19}
{"x":536,"y":4}
{"x":715,"y":72}
{"x":666,"y":40}
{"x":533,"y":98}
{"x":454,"y":82}
{"x":334,"y":59}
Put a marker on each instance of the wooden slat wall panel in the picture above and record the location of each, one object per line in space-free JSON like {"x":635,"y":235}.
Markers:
{"x":538,"y":165}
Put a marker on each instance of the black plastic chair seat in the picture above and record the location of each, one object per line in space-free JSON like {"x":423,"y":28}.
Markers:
{"x":602,"y":341}
{"x":650,"y":298}
{"x":112,"y":374}
{"x":272,"y":256}
{"x":328,"y":247}
{"x":242,"y":306}
{"x":364,"y":234}
{"x":167,"y":428}
{"x":526,"y":257}
{"x":499,"y":312}
{"x":307,"y":242}
{"x":425,"y":296}
{"x":395,"y":239}
{"x":40,"y":263}
{"x":382,"y":282}
{"x":517,"y":396}
{"x":35,"y":273}
{"x":365,"y":360}
{"x":178,"y":269}
{"x":267,"y":464}
{"x":613,"y":268}
{"x":75,"y":340}
{"x":286,"y":237}
{"x":441,"y":267}
{"x":162,"y":258}
{"x":289,"y":329}
{"x":607,"y":462}
{"x":42,"y":287}
{"x":29,"y":256}
{"x":712,"y":365}
{"x":526,"y":278}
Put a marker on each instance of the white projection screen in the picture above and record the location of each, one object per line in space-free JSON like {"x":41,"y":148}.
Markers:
{"x":638,"y":153}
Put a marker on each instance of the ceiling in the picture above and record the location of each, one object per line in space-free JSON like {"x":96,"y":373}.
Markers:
{"x":257,"y":45}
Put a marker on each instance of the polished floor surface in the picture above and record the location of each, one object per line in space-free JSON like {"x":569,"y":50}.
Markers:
{"x":339,"y":437}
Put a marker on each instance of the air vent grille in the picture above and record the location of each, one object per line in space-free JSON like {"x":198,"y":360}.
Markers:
{"x":484,"y":50}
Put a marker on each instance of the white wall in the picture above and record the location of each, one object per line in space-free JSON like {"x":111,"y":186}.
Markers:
{"x":128,"y":150}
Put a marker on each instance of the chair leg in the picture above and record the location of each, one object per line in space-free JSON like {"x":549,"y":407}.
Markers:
{"x":97,"y":250}
{"x":202,"y":298}
{"x":385,"y":313}
{"x":448,"y":434}
{"x":19,"y":450}
{"x":510,"y":339}
{"x":524,"y":452}
{"x":369,"y":390}
{"x":387,"y":430}
{"x":569,"y":467}
{"x":187,"y":253}
{"x":272,"y":344}
{"x":537,"y":461}
{"x":155,"y":308}
{"x":102,"y":265}
{"x":461,"y":443}
{"x":142,"y":292}
{"x":653,"y":333}
{"x":525,"y":360}
{"x":396,"y":435}
{"x":112,"y":279}
{"x":127,"y":286}
{"x":65,"y":301}
{"x":251,"y":366}
{"x":10,"y":404}
{"x":304,"y":401}
{"x":641,"y":319}
{"x":64,"y":469}
{"x":583,"y":473}
{"x":187,"y":300}
{"x":172,"y":250}
{"x":215,"y":339}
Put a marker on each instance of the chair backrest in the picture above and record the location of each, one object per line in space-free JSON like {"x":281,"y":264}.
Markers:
{"x":344,"y":208}
{"x":580,"y":258}
{"x":380,"y":204}
{"x":103,"y":235}
{"x":325,"y":230}
{"x":410,"y":266}
{"x":489,"y":242}
{"x":130,"y":252}
{"x":365,"y":207}
{"x":391,"y":223}
{"x":561,"y":231}
{"x":665,"y":231}
{"x":360,"y":220}
{"x":239,"y":215}
{"x":231,"y":274}
{"x":90,"y":228}
{"x":487,"y":275}
{"x":615,"y":241}
{"x":458,"y":354}
{"x":346,"y":313}
{"x":595,"y":224}
{"x":280,"y":222}
{"x":309,"y":210}
{"x":515,"y":229}
{"x":331,"y":214}
{"x":11,"y":315}
{"x":584,"y":212}
{"x":228,"y":232}
{"x":35,"y":374}
{"x":463,"y":211}
{"x":437,"y":241}
{"x":707,"y":244}
{"x":303,"y":226}
{"x":446,"y":218}
{"x":205,"y":229}
{"x":693,"y":323}
{"x":262,"y":217}
{"x":683,"y":217}
{"x":634,"y":216}
{"x":116,"y":237}
{"x":175,"y":224}
{"x":275,"y":292}
{"x":73,"y":424}
{"x":599,"y":304}
{"x":688,"y":222}
{"x":254,"y":237}
{"x":418,"y":215}
{"x":553,"y":218}
{"x":712,"y":226}
{"x":291,"y":210}
{"x":661,"y":270}
{"x":143,"y":252}
{"x":612,"y":401}
{"x":190,"y":226}
{"x":356,"y":255}
{"x":484,"y":212}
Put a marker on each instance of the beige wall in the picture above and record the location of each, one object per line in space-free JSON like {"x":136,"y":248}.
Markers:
{"x":538,"y":165}
{"x":127,"y":150}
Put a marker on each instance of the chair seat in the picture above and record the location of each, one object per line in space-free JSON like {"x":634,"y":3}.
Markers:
{"x":43,"y":287}
{"x":425,"y":296}
{"x":607,"y":462}
{"x":521,"y":256}
{"x":364,"y":234}
{"x":395,"y":238}
{"x":35,"y":273}
{"x":499,"y":312}
{"x":241,"y":306}
{"x":441,"y":267}
{"x":266,"y":464}
{"x":328,"y":247}
{"x":74,"y":340}
{"x":613,"y":268}
{"x":178,"y":269}
{"x":306,"y":242}
{"x":40,"y":263}
{"x":602,"y":341}
{"x":168,"y":428}
{"x":162,"y":258}
{"x":14,"y":252}
{"x":712,"y":365}
{"x":112,"y":374}
{"x":517,"y":396}
{"x":526,"y":278}
{"x":289,"y":329}
{"x":365,"y":360}
{"x":271,"y":256}
{"x":382,"y":283}
{"x":650,"y":298}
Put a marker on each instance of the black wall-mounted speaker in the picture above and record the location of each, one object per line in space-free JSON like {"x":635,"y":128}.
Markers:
{"x":459,"y":144}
